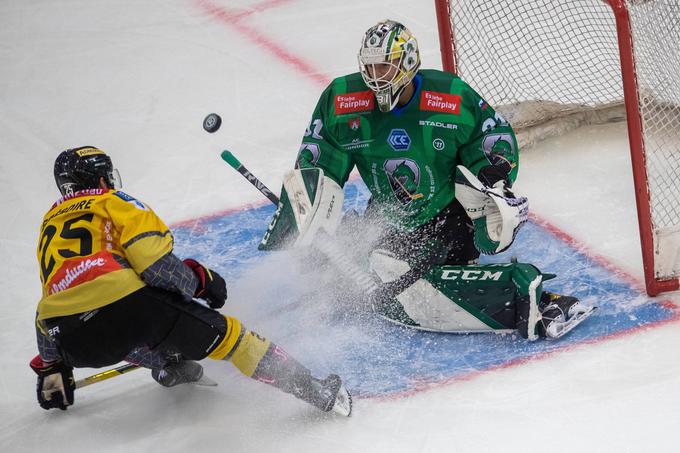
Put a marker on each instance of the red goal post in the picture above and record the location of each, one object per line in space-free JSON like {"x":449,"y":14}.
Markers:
{"x":550,"y":66}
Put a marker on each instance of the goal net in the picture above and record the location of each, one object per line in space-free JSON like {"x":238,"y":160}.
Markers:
{"x":552,"y":65}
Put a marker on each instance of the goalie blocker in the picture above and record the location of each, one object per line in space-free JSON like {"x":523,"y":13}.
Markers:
{"x":310,"y":204}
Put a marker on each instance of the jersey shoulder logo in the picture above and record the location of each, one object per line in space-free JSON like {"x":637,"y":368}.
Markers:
{"x":440,"y":102}
{"x":360,"y":101}
{"x":125,"y":197}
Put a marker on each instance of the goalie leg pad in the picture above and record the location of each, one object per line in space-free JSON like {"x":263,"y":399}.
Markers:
{"x":492,"y":297}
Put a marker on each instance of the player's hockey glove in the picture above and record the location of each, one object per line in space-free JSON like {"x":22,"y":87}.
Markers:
{"x":211,"y":286}
{"x":55,"y":384}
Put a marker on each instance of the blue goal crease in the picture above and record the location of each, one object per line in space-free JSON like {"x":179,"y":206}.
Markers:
{"x":377,"y":358}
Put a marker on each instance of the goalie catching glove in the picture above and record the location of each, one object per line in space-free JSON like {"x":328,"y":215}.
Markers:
{"x":497,"y":214}
{"x":55,"y":385}
{"x":211,"y":286}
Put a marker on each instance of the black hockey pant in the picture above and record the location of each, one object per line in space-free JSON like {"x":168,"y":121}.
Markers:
{"x":151,"y":317}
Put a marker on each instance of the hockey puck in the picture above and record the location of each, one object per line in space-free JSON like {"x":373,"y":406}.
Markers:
{"x":212,"y":122}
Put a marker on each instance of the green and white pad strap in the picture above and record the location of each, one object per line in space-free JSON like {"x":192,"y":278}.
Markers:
{"x":496,"y":213}
{"x":310,"y":203}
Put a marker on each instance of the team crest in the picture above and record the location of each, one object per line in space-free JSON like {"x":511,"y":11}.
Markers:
{"x":404,"y":178}
{"x":355,"y":123}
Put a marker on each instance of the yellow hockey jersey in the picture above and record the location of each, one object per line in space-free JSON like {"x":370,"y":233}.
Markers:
{"x":93,"y":247}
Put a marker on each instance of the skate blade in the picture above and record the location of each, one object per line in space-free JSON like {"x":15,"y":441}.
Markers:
{"x":343,"y":403}
{"x":205,"y":381}
{"x":574,"y":321}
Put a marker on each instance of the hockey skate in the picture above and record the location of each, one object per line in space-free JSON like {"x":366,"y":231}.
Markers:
{"x":181,"y":372}
{"x":560,"y":314}
{"x":327,"y":394}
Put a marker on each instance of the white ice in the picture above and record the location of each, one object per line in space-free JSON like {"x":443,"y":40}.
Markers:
{"x":136,"y":79}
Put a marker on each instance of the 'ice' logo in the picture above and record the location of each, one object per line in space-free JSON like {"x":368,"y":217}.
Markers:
{"x":399,"y":140}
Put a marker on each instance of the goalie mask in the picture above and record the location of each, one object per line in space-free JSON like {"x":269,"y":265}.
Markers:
{"x":388,"y":61}
{"x":80,"y":168}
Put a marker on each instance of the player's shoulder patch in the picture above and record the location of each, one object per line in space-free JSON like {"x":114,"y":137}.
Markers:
{"x":129,"y":199}
{"x":435,"y":101}
{"x":355,"y":102}
{"x":349,"y":95}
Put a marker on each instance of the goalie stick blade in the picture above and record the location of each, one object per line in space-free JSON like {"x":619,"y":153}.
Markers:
{"x":564,"y":328}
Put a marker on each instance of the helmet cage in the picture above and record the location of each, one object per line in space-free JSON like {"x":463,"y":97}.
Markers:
{"x":388,"y":60}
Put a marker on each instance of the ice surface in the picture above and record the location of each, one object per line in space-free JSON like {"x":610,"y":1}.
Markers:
{"x":136,"y":79}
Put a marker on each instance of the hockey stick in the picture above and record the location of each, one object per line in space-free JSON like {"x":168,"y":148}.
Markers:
{"x":229,"y":158}
{"x":108,"y":374}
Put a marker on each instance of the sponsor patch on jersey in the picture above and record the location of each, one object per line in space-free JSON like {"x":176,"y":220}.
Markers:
{"x":482,"y":104}
{"x":125,"y":197}
{"x":437,"y":124}
{"x":399,"y":140}
{"x":356,"y":144}
{"x":79,"y":193}
{"x":360,"y":101}
{"x":77,"y":271}
{"x":440,"y":102}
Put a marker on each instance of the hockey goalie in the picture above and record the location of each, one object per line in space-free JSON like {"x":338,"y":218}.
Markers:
{"x":439,"y":163}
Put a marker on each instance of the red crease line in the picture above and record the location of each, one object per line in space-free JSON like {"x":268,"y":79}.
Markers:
{"x":233,"y":18}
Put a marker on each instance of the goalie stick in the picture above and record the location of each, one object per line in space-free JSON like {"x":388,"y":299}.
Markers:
{"x":229,"y":158}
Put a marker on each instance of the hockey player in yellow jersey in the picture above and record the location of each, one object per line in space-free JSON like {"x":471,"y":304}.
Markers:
{"x":113,"y":290}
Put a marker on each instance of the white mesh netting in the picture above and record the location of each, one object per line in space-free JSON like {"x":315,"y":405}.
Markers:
{"x":552,"y":65}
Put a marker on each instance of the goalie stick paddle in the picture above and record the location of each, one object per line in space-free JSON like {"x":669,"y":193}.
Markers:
{"x":229,"y":158}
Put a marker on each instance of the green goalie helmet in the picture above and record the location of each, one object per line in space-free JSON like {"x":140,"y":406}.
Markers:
{"x":388,"y":60}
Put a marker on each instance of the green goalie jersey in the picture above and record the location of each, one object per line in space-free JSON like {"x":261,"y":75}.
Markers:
{"x":407,"y":157}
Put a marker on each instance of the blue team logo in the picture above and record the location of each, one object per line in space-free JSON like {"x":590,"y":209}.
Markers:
{"x":399,"y":140}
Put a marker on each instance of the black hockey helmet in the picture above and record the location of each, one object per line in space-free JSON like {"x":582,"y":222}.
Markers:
{"x":80,"y":168}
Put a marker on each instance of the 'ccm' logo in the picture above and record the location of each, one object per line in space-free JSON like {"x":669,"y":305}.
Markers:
{"x":470,"y":274}
{"x":399,"y":140}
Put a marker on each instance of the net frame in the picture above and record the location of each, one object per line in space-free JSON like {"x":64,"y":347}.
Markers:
{"x":659,"y":243}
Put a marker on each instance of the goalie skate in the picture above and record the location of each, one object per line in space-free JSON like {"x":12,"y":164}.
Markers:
{"x":560,"y":314}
